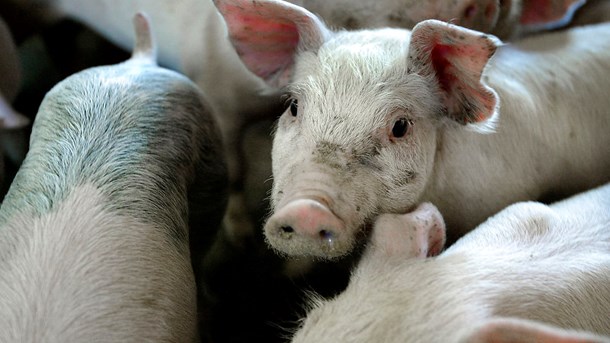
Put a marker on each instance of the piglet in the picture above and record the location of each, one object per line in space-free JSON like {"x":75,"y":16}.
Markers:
{"x":531,"y":273}
{"x":381,"y":120}
{"x":94,"y":238}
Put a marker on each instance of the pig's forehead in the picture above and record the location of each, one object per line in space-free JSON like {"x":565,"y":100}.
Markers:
{"x":365,"y":52}
{"x":352,"y":62}
{"x":358,"y":72}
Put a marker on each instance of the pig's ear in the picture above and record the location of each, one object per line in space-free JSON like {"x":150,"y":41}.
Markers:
{"x":548,"y":14}
{"x":454,"y":58}
{"x":509,"y":330}
{"x":417,"y":234}
{"x":267,"y":34}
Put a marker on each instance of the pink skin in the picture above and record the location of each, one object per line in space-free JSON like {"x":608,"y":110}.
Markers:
{"x":417,"y":234}
{"x":309,"y":220}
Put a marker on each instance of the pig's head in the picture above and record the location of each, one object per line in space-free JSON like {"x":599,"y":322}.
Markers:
{"x":359,"y":136}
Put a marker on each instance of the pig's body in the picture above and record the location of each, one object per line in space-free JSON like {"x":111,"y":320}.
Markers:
{"x":506,"y":19}
{"x":594,"y":11}
{"x":389,"y":118}
{"x":94,"y":237}
{"x":481,"y":15}
{"x":549,"y":138}
{"x":530,"y":262}
{"x":191,"y":39}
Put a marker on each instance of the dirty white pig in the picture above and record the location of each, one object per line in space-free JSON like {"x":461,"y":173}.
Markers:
{"x":94,"y":241}
{"x":192,"y":39}
{"x":504,"y":18}
{"x":381,"y":120}
{"x":531,"y":273}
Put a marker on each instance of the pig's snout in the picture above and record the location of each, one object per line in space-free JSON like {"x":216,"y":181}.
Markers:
{"x":480,"y":15}
{"x":305,"y":227}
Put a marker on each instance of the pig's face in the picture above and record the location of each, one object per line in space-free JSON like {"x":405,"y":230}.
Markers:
{"x":358,"y":148}
{"x":359,"y":137}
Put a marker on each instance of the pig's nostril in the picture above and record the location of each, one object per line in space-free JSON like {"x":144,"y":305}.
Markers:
{"x":287,"y":229}
{"x":326,"y":235}
{"x":470,"y":11}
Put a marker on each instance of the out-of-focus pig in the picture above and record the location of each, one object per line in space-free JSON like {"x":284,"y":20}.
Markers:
{"x":519,"y":17}
{"x":384,"y":119}
{"x":531,"y":273}
{"x":594,"y":11}
{"x":94,"y":240}
{"x":503,"y":18}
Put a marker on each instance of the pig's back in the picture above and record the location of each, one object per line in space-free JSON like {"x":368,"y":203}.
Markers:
{"x":545,"y":263}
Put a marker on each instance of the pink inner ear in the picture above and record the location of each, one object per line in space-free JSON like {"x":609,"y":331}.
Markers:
{"x":440,"y":62}
{"x":456,"y":69}
{"x":536,"y":12}
{"x":265,"y":43}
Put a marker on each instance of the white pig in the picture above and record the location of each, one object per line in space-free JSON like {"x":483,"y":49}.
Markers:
{"x":531,"y":273}
{"x":94,"y":240}
{"x":505,"y":19}
{"x":192,"y":39}
{"x":384,"y":119}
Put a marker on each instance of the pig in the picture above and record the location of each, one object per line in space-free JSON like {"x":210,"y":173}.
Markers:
{"x":94,"y":231}
{"x":595,"y":11}
{"x":530,"y":273}
{"x":519,"y":18}
{"x":480,"y":15}
{"x":507,"y":19}
{"x":381,"y":120}
{"x":191,"y":40}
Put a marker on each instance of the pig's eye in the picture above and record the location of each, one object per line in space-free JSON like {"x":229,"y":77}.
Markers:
{"x":294,"y":106}
{"x":401,"y":127}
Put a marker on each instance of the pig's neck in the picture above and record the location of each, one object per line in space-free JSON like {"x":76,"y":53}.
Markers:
{"x":546,"y":138}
